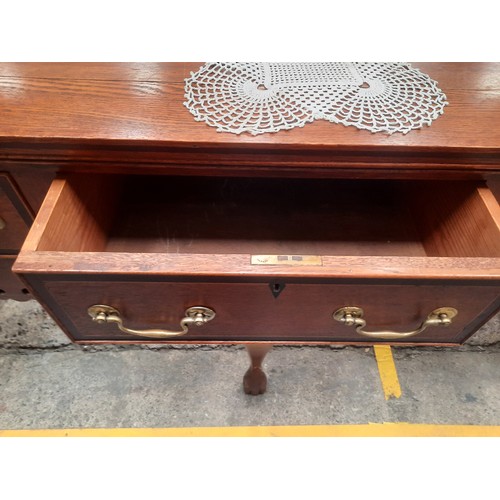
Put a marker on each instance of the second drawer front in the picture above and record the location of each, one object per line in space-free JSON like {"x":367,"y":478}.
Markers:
{"x":14,"y":218}
{"x":249,"y":311}
{"x":11,"y":287}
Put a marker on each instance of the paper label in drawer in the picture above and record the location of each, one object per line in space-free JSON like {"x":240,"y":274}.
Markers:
{"x":287,"y":260}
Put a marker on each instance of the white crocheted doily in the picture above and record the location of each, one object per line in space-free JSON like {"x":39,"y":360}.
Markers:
{"x":268,"y":97}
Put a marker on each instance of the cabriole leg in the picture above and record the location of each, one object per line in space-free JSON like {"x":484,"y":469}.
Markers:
{"x":255,"y":380}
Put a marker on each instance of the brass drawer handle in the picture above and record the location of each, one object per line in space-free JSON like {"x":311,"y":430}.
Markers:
{"x":3,"y":224}
{"x":353,"y":316}
{"x":196,"y":315}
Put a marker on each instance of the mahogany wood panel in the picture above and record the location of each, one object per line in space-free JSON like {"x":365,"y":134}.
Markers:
{"x":465,"y":76}
{"x":11,"y":287}
{"x":239,"y":265}
{"x":15,"y":214}
{"x":134,"y":113}
{"x":162,"y":72}
{"x":249,"y":311}
{"x":32,"y":181}
{"x":82,"y":214}
{"x":456,"y":219}
{"x":262,"y":216}
{"x":494,"y":185}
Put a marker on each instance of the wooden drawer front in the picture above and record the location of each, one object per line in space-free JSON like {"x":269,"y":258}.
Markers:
{"x":15,"y":218}
{"x":249,"y":311}
{"x":152,"y":247}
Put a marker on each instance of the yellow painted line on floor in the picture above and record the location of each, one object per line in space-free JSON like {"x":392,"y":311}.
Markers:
{"x":387,"y":371}
{"x":359,"y":430}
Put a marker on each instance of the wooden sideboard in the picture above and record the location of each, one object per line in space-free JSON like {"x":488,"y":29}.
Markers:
{"x":130,"y":222}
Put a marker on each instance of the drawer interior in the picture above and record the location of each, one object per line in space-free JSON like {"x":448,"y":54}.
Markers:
{"x":199,"y":215}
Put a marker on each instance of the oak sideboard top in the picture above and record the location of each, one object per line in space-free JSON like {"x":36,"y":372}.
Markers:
{"x":105,"y":112}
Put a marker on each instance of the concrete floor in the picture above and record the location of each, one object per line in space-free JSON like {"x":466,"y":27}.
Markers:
{"x":47,"y":382}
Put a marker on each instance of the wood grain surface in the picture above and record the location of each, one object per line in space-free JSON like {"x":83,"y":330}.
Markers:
{"x":16,"y":216}
{"x":74,"y":232}
{"x":134,"y":113}
{"x":125,"y":118}
{"x":11,"y":287}
{"x":250,"y":312}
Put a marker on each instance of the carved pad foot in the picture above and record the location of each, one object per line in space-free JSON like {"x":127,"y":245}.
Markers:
{"x":255,"y":382}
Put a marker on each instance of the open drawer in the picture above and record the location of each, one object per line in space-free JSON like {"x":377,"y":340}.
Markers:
{"x":273,"y":258}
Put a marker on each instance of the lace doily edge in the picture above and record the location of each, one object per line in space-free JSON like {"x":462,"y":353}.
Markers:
{"x":331,"y":119}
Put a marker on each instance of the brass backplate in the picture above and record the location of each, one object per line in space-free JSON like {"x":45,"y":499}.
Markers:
{"x":355,"y":312}
{"x":286,"y":260}
{"x":94,"y":311}
{"x":450,"y":312}
{"x":208,"y":314}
